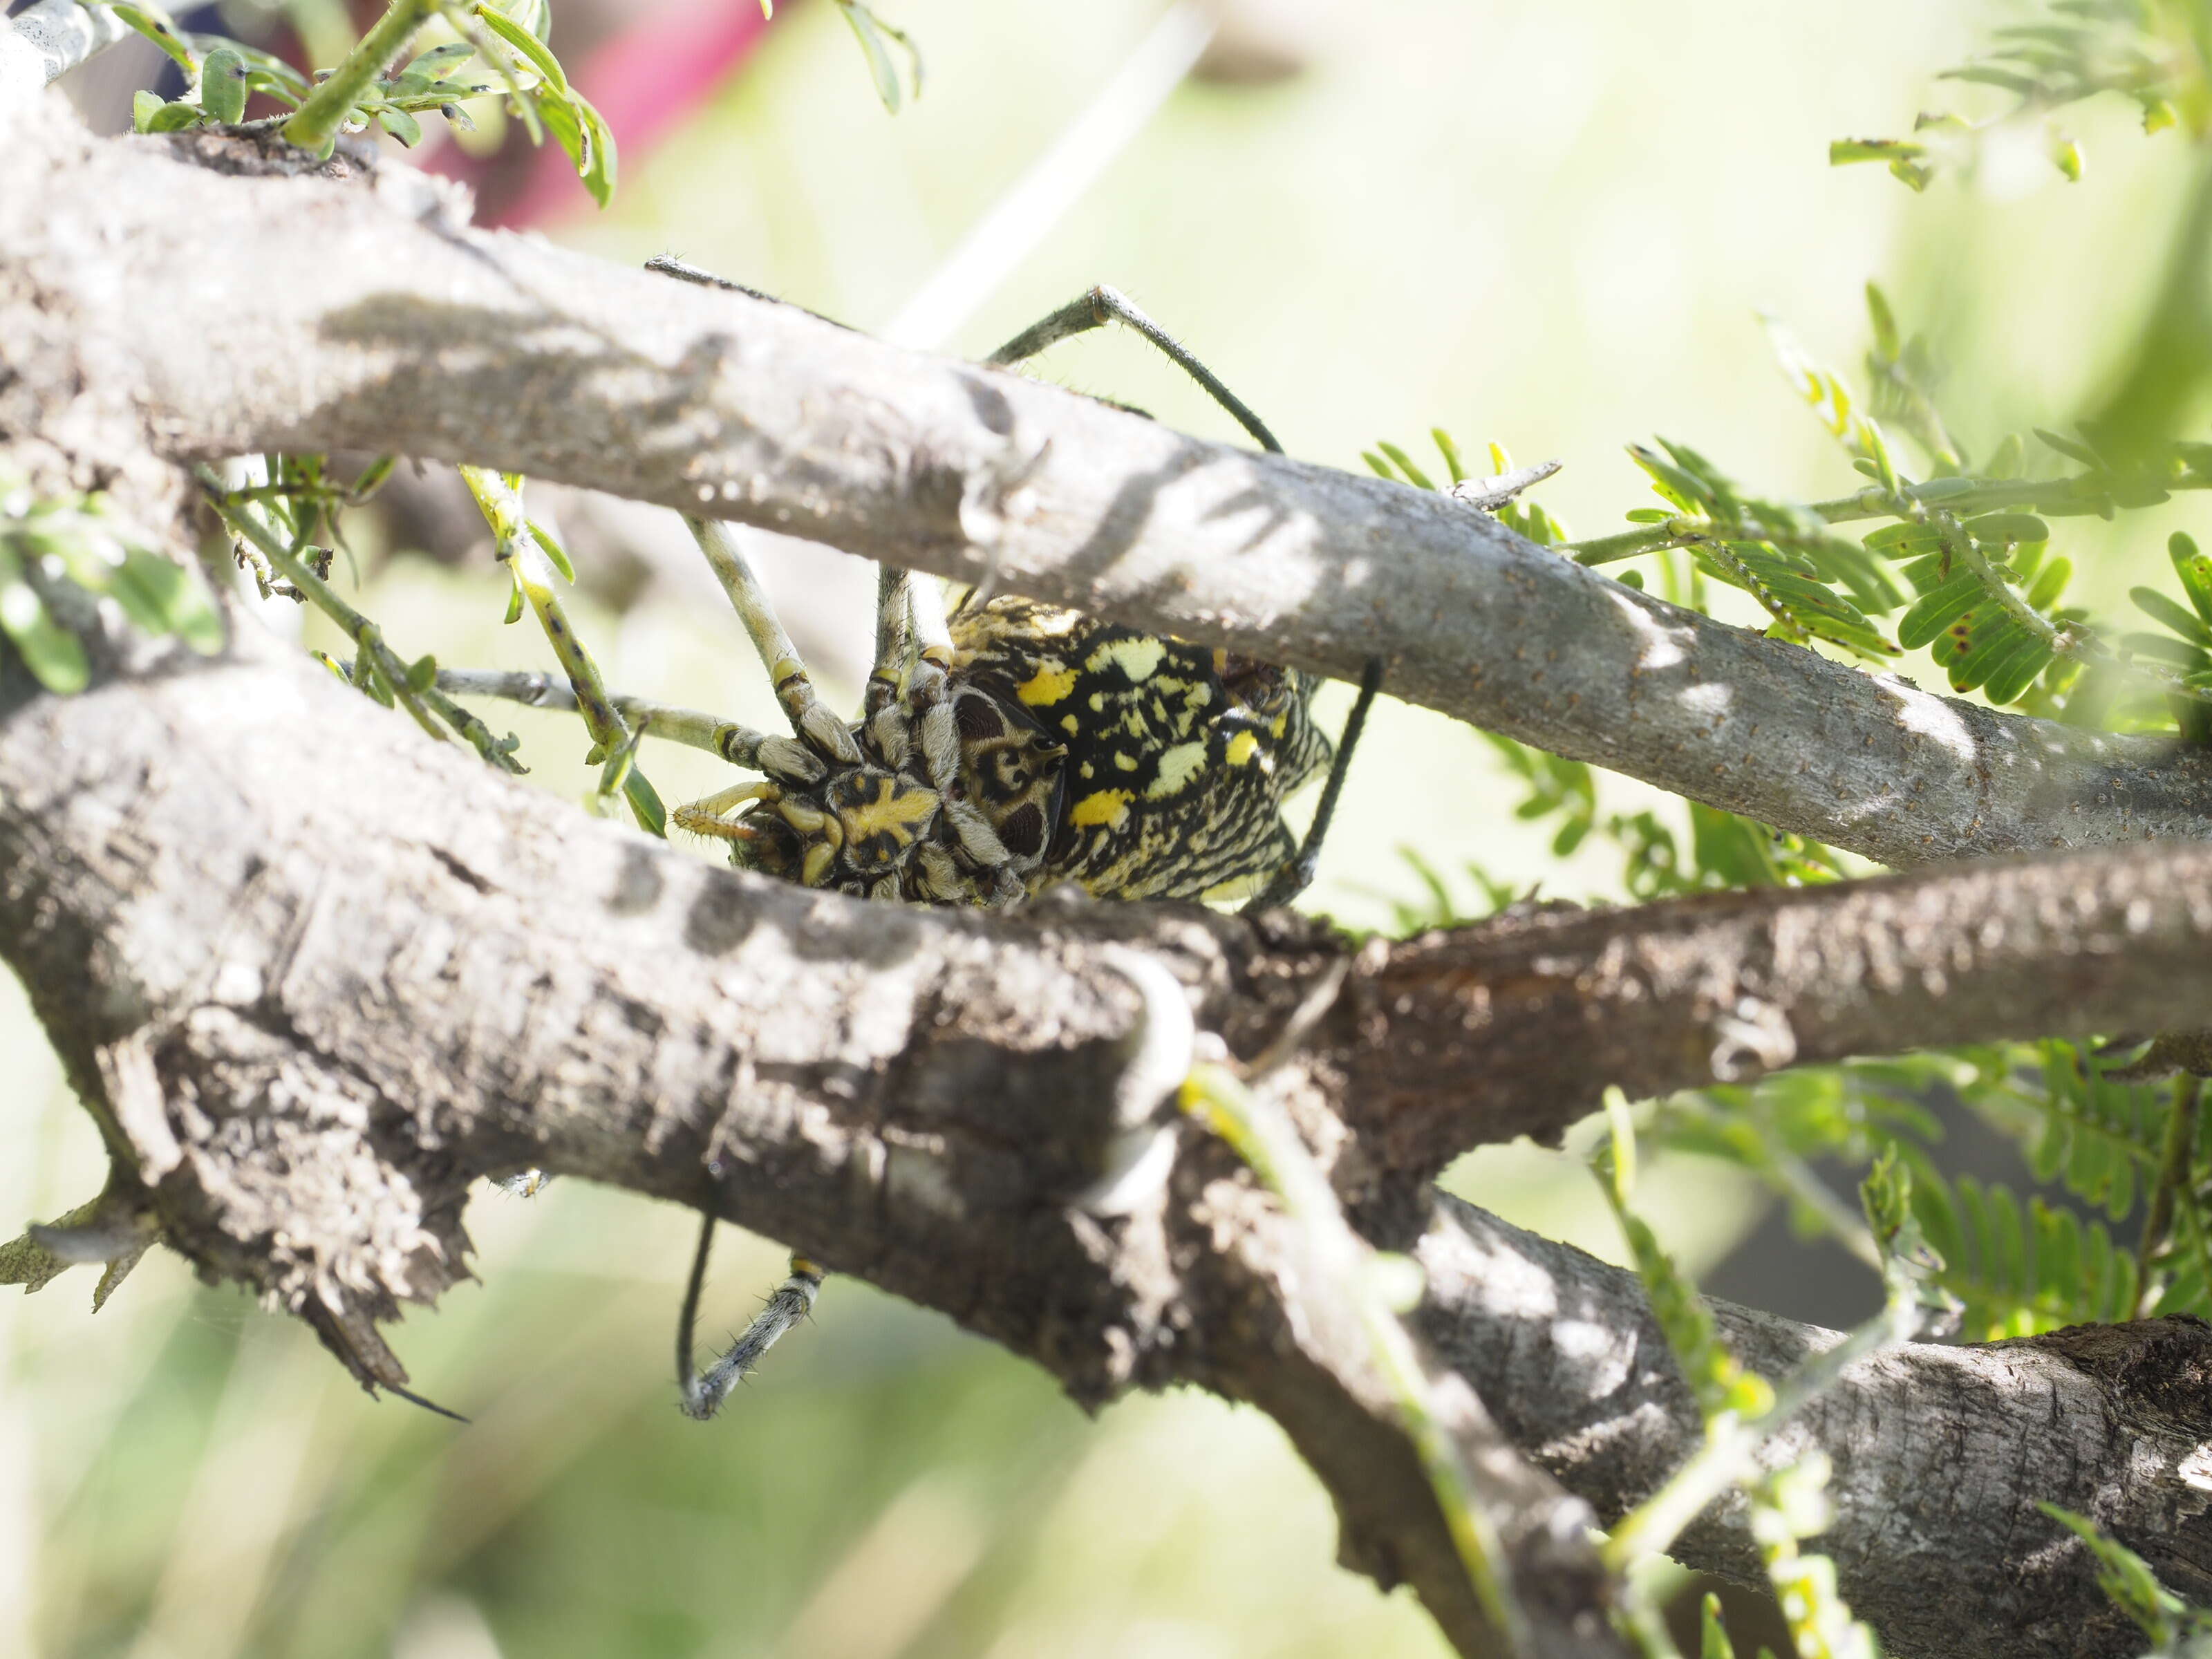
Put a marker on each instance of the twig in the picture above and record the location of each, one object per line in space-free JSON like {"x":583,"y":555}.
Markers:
{"x":314,"y":125}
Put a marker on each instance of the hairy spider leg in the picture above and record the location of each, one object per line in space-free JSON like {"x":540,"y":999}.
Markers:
{"x":1100,"y":306}
{"x":739,"y":744}
{"x":810,"y":718}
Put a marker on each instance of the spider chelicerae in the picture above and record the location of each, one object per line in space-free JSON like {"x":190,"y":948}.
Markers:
{"x":1000,"y":750}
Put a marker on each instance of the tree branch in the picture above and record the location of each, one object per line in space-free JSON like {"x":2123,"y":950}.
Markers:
{"x":1549,"y":1005}
{"x":315,"y":974}
{"x":312,"y":974}
{"x":1940,"y":1453}
{"x":394,"y":326}
{"x":45,"y":41}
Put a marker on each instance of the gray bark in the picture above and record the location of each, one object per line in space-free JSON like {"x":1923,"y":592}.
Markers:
{"x":382,"y":321}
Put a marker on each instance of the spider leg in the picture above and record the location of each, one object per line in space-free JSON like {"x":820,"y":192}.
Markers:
{"x":782,"y":759}
{"x":1295,"y":877}
{"x":810,"y":718}
{"x":704,"y":1392}
{"x":1103,"y":305}
{"x":933,"y":638}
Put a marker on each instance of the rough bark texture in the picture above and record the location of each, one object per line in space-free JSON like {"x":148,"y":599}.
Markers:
{"x":313,"y":974}
{"x":381,"y":322}
{"x":1941,"y":1453}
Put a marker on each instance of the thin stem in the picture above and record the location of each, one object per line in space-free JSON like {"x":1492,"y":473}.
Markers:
{"x":1731,"y":1450}
{"x":1953,"y":494}
{"x":315,"y":125}
{"x":374,"y":655}
{"x":2177,"y":1160}
{"x":1345,"y":1269}
{"x":693,"y":728}
{"x":526,"y":560}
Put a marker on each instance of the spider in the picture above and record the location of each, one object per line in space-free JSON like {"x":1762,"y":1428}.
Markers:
{"x":1003,"y":749}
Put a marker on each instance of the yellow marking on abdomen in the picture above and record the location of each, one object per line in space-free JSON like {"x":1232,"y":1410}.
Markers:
{"x":1137,"y":656}
{"x":1177,"y":767}
{"x":1242,"y":748}
{"x":1047,"y":686}
{"x":1106,"y":807}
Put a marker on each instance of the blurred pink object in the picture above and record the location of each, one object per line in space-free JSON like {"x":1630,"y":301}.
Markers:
{"x":645,"y":79}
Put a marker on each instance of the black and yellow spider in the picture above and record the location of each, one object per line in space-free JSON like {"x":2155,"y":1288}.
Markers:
{"x":1006,"y":748}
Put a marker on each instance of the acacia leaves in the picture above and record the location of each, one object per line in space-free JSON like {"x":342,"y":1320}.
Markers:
{"x":2149,"y":52}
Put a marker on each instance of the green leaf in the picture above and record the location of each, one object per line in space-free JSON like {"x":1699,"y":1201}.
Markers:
{"x":2017,"y":671}
{"x":50,"y":651}
{"x":144,"y":105}
{"x":163,"y":598}
{"x":645,"y":802}
{"x":2009,"y":527}
{"x":2195,"y":571}
{"x":1844,"y":151}
{"x":2159,"y":608}
{"x":1884,"y":321}
{"x":154,"y":24}
{"x":401,"y":125}
{"x":1449,"y":451}
{"x":528,"y":45}
{"x":174,"y":116}
{"x":553,"y":551}
{"x":222,"y":86}
{"x":1712,"y":1635}
{"x":2050,"y":584}
{"x":1405,"y":464}
{"x":271,"y":74}
{"x":1903,"y":540}
{"x":1993,"y":644}
{"x":2069,"y":448}
{"x":434,"y":65}
{"x":1937,"y":610}
{"x":875,"y":37}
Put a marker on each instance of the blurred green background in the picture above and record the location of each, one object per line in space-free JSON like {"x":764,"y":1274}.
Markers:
{"x":1549,"y":226}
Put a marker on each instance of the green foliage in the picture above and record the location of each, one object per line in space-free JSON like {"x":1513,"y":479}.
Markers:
{"x":1963,"y":562}
{"x":2174,"y":1625}
{"x":1785,"y":1506}
{"x":877,"y":38}
{"x":505,"y":42}
{"x":2150,"y":52}
{"x":60,"y":553}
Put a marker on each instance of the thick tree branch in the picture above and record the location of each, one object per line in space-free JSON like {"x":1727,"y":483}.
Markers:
{"x":382,"y":322}
{"x":315,"y":974}
{"x":1549,"y":1006}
